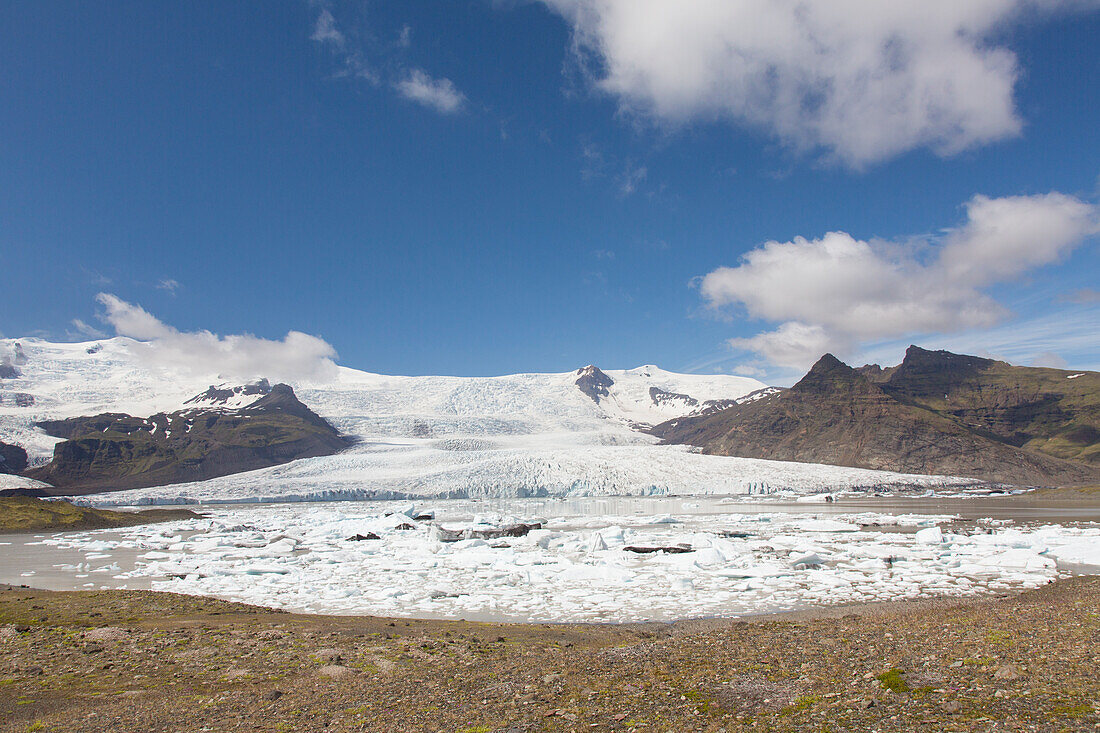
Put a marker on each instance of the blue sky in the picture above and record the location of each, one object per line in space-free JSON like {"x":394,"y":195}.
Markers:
{"x":488,"y":187}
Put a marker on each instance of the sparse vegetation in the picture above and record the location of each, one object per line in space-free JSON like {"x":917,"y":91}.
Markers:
{"x":150,"y":661}
{"x":31,"y":514}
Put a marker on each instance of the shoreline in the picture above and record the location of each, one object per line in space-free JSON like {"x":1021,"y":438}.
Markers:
{"x":146,"y":660}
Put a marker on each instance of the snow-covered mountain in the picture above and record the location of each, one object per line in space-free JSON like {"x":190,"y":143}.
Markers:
{"x":522,"y":434}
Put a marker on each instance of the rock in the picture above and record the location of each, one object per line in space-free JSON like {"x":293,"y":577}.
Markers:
{"x":272,"y":695}
{"x":13,"y":458}
{"x":327,"y":655}
{"x":335,"y":671}
{"x":951,"y":707}
{"x":487,"y":533}
{"x":361,"y":537}
{"x":1007,"y":672}
{"x":593,"y":382}
{"x":548,"y":679}
{"x":647,"y":549}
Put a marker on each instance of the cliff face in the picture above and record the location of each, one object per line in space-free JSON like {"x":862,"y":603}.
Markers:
{"x":114,"y":451}
{"x":936,"y":413}
{"x":13,"y":459}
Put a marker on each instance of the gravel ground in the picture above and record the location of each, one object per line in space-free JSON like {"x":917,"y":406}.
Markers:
{"x":144,"y":661}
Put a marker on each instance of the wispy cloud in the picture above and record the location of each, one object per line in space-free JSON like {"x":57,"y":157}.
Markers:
{"x":438,"y":94}
{"x":1068,"y":336}
{"x":378,"y":63}
{"x":631,"y":177}
{"x":624,"y":174}
{"x":325,"y":30}
{"x":297,"y":357}
{"x":169,"y":284}
{"x":1084,"y":295}
{"x":83,"y":329}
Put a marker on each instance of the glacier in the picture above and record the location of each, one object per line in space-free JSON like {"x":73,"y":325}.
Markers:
{"x":519,"y":435}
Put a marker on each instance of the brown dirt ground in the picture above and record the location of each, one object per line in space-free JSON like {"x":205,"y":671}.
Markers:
{"x":144,"y":661}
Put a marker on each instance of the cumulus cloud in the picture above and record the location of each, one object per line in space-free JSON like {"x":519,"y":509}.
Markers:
{"x":863,"y":79}
{"x":297,"y":357}
{"x":438,"y":94}
{"x":836,"y":292}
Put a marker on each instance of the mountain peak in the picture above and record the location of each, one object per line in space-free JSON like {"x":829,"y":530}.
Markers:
{"x":920,"y":361}
{"x":593,"y":382}
{"x":827,"y":374}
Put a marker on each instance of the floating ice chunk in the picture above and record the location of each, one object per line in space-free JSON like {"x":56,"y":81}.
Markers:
{"x":596,"y":543}
{"x":1022,"y":559}
{"x":543,"y":537}
{"x":807,"y":559}
{"x":816,"y":499}
{"x":1084,"y":552}
{"x":826,"y":525}
{"x":930,"y":536}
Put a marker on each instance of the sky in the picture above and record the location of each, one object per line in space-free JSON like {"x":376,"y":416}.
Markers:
{"x":488,"y":187}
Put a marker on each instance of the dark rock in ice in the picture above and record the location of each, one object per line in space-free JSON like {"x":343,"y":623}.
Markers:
{"x":487,"y":533}
{"x":649,"y":549}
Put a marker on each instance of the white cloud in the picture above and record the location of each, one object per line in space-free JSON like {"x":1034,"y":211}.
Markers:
{"x":365,"y":61}
{"x":863,"y":79}
{"x":438,"y":94}
{"x":297,"y":357}
{"x":747,"y":370}
{"x":325,"y":30}
{"x":84,"y":329}
{"x":792,"y":345}
{"x":169,"y":284}
{"x":837,"y":292}
{"x":630,"y":179}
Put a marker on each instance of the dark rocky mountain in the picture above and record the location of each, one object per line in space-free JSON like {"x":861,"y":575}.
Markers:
{"x":13,"y":459}
{"x":935,"y":413}
{"x":593,"y":382}
{"x":114,"y":451}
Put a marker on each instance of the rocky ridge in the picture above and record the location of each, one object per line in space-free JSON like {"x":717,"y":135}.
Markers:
{"x":935,"y":413}
{"x":114,"y":451}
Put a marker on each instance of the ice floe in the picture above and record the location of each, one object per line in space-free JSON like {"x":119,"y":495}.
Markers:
{"x":574,"y":566}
